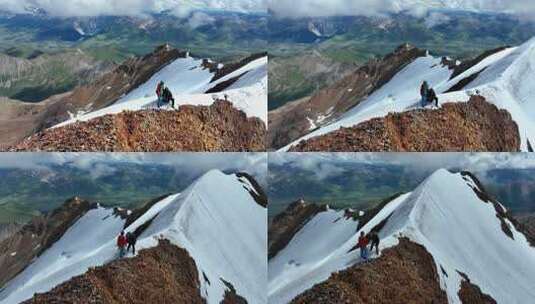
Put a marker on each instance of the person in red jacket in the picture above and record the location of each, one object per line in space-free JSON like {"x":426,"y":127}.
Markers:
{"x":363,"y":245}
{"x":121,"y":244}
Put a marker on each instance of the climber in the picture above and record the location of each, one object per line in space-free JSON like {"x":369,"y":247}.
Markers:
{"x":131,"y":239}
{"x":424,"y":91}
{"x":363,"y":245}
{"x":167,"y":97}
{"x":432,"y":96}
{"x":374,"y":241}
{"x":121,"y":243}
{"x":159,"y":92}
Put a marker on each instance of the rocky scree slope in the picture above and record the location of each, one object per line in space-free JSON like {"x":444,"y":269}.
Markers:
{"x":473,"y":126}
{"x":218,"y":127}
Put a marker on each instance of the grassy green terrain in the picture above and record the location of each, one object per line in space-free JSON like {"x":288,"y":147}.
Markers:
{"x":25,"y":193}
{"x":361,"y":186}
{"x":56,"y":58}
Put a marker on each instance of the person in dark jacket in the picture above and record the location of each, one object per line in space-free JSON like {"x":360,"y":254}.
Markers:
{"x":168,"y":97}
{"x":159,"y":92}
{"x":121,"y":244}
{"x":424,"y":91}
{"x":131,"y":239}
{"x":374,"y":241}
{"x":363,"y":245}
{"x":432,"y":97}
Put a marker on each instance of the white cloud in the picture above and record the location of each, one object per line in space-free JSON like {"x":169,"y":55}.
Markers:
{"x":317,"y":8}
{"x":101,"y":164}
{"x":198,"y":19}
{"x":476,"y":162}
{"x":181,"y":8}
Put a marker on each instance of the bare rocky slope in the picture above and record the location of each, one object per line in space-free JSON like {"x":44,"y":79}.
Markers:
{"x":218,"y":127}
{"x":473,"y":126}
{"x":291,"y":121}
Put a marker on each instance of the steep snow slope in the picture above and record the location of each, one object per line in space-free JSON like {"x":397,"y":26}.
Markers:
{"x":505,"y":79}
{"x":72,"y":255}
{"x":215,"y":219}
{"x":188,"y":81}
{"x":457,"y":228}
{"x":317,"y":250}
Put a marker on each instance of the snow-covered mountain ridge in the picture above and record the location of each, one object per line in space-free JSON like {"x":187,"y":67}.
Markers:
{"x":449,"y":214}
{"x":216,"y":220}
{"x":503,"y":78}
{"x":189,"y":80}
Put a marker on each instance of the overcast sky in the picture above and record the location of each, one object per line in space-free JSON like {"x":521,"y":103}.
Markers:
{"x":284,"y":8}
{"x":98,"y":164}
{"x":68,"y":8}
{"x":326,"y":164}
{"x":314,"y":8}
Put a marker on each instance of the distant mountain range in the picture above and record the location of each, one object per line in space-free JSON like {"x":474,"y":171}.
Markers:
{"x":339,"y":185}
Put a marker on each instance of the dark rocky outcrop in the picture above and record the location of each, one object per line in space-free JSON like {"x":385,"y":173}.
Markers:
{"x":291,"y":121}
{"x":472,"y":126}
{"x":218,"y":127}
{"x":257,"y":193}
{"x":472,"y":294}
{"x":20,"y":248}
{"x":403,"y":274}
{"x":502,"y":214}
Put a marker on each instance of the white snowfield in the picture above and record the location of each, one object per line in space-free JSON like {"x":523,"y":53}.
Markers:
{"x":215,"y":219}
{"x":443,"y":214}
{"x":188,"y":81}
{"x":506,"y":80}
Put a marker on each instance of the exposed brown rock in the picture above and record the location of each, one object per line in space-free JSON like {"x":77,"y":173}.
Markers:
{"x":472,"y":126}
{"x":164,"y":274}
{"x":37,"y":236}
{"x":472,"y":294}
{"x":285,"y":225}
{"x":219,"y":127}
{"x":290,"y":121}
{"x":403,"y":274}
{"x":231,"y":297}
